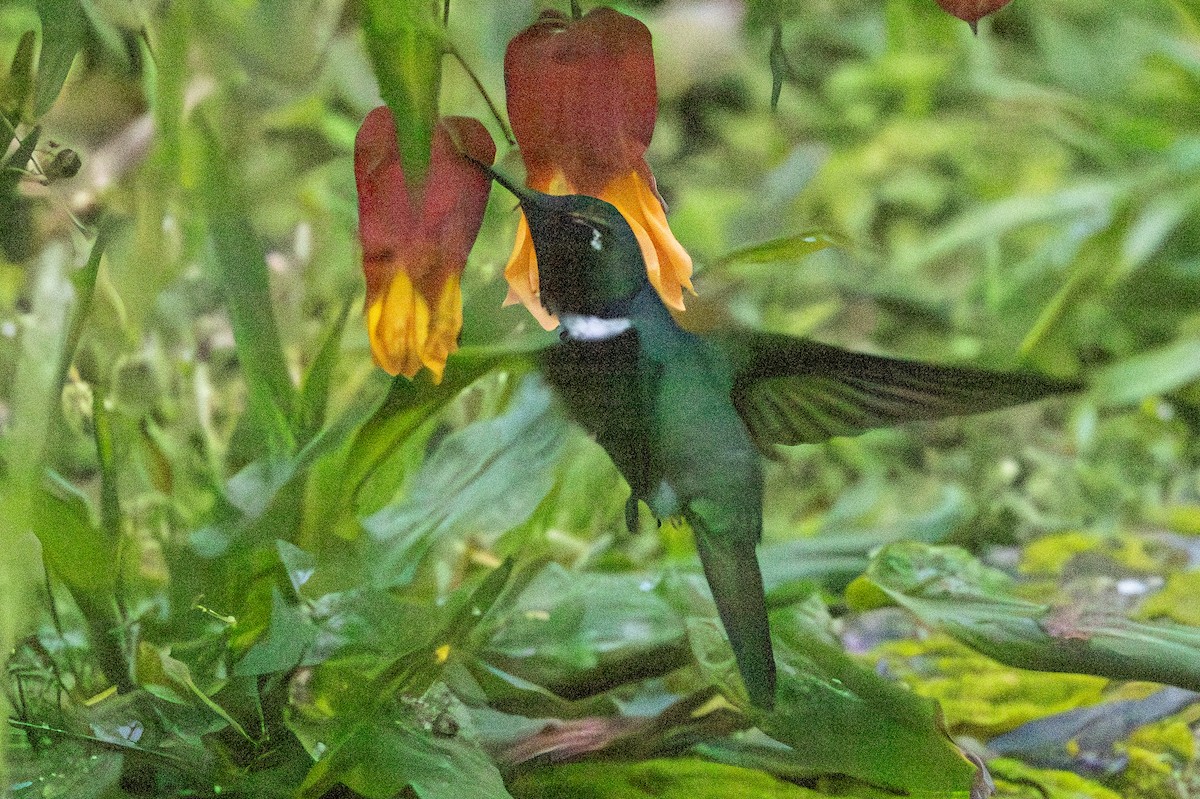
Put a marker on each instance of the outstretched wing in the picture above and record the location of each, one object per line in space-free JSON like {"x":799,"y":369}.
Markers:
{"x":796,"y":391}
{"x":604,"y":385}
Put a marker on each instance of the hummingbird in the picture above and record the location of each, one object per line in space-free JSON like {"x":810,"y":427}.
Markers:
{"x":685,"y":417}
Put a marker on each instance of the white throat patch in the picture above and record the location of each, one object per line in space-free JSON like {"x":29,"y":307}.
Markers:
{"x":592,"y":328}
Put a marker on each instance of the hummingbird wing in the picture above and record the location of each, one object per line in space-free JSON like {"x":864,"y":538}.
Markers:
{"x":725,"y":540}
{"x":795,"y":391}
{"x":603,"y":384}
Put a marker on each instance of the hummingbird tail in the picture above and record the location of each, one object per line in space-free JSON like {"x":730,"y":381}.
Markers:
{"x":731,"y":568}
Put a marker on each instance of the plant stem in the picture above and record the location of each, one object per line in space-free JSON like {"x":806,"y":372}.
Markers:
{"x":457,"y":56}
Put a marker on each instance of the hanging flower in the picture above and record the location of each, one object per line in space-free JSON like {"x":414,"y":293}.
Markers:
{"x":416,"y":238}
{"x":582,"y":102}
{"x":971,"y":11}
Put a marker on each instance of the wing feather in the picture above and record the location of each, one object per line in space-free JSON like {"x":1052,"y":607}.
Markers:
{"x":795,"y":391}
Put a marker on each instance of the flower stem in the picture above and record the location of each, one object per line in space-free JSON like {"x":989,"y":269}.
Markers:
{"x":457,"y":56}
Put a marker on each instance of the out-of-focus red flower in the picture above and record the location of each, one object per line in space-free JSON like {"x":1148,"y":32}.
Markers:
{"x":582,"y":100}
{"x":416,"y":238}
{"x":972,"y":10}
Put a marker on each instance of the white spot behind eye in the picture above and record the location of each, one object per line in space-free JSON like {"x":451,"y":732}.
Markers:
{"x":597,"y":244}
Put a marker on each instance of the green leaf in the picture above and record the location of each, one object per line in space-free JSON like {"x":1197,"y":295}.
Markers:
{"x":382,"y":757}
{"x":64,"y":32}
{"x":240,"y":268}
{"x":838,"y":717}
{"x":404,"y":41}
{"x":170,"y":679}
{"x":476,"y":467}
{"x":1147,"y":374}
{"x":950,"y":590}
{"x":15,"y":92}
{"x":78,"y":552}
{"x":838,"y":553}
{"x":683,"y":778}
{"x":300,"y":565}
{"x":786,"y":248}
{"x":290,"y":633}
{"x":580,"y":634}
{"x":408,"y":404}
{"x":314,"y":392}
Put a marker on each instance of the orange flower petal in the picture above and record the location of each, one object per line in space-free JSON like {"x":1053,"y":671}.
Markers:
{"x":668,"y":265}
{"x":522,"y":275}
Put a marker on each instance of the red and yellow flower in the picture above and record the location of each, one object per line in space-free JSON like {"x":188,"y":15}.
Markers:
{"x":416,"y":239}
{"x":582,"y":101}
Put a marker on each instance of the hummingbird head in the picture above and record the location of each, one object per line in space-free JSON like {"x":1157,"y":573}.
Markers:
{"x":589,"y":261}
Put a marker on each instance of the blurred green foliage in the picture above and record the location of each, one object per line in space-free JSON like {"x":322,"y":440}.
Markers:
{"x":269,"y":571}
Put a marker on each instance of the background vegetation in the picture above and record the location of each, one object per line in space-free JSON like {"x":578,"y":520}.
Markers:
{"x":259,"y":551}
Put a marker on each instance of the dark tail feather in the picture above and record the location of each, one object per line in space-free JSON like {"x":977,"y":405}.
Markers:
{"x":736,"y":582}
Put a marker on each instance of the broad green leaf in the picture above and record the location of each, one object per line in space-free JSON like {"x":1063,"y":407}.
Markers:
{"x":374,"y":622}
{"x":839,"y":717}
{"x":948,"y":589}
{"x":64,"y":33}
{"x":240,"y":268}
{"x":475,"y":466}
{"x":580,"y":634}
{"x":407,"y":405}
{"x":382,"y":757}
{"x":77,"y":550}
{"x":683,"y":778}
{"x":285,"y":641}
{"x":837,"y":553}
{"x":404,"y":41}
{"x":169,"y":678}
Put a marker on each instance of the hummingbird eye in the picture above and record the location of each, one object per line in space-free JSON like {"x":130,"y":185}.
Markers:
{"x":597,"y":242}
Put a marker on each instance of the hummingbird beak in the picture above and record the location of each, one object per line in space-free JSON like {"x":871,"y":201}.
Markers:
{"x":526,"y":196}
